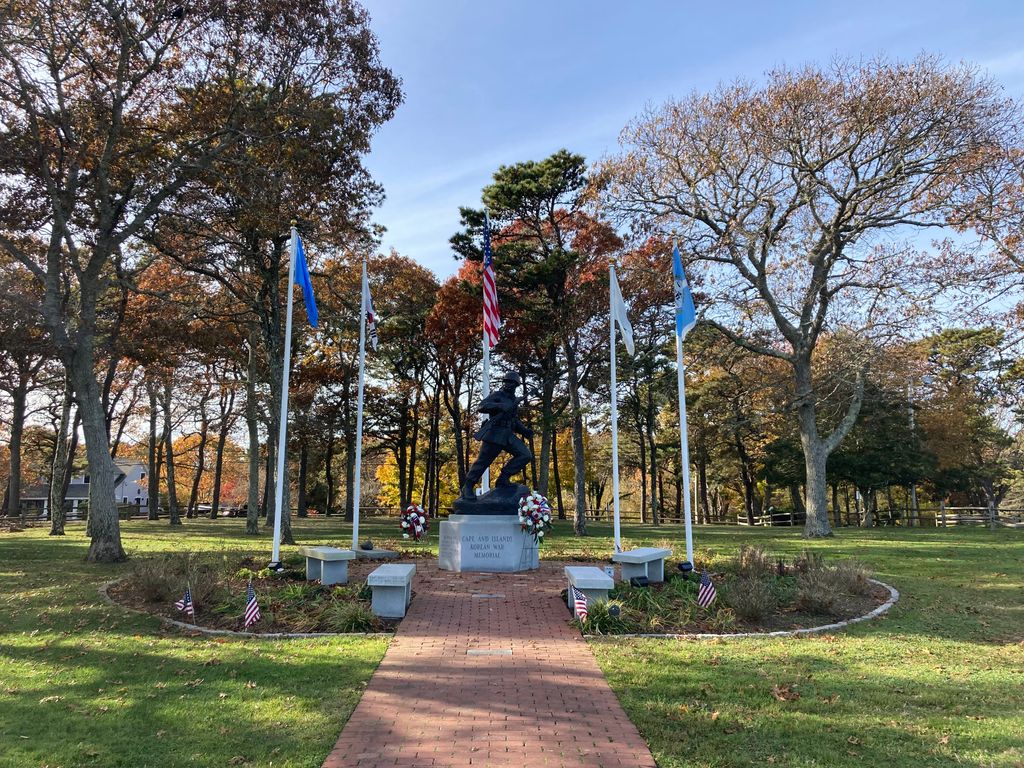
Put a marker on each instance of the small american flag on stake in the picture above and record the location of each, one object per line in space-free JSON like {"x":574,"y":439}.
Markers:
{"x":252,"y":608}
{"x":579,"y":601}
{"x":492,"y":317}
{"x":706,"y":593}
{"x":185,"y":604}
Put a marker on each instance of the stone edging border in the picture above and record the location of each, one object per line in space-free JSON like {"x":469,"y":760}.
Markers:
{"x":229,"y":632}
{"x":894,"y":596}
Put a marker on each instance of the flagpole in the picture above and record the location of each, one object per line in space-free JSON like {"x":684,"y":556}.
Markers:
{"x":615,"y":411}
{"x":282,"y":430}
{"x":359,"y":411}
{"x":684,"y":443}
{"x":485,"y":480}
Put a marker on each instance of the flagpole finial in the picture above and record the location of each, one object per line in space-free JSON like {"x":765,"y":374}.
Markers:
{"x":295,"y":223}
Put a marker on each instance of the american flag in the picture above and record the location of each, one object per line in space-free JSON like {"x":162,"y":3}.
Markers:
{"x":706,"y":593}
{"x":492,"y":317}
{"x":185,"y":604}
{"x":579,"y":600}
{"x":371,"y":314}
{"x":252,"y":608}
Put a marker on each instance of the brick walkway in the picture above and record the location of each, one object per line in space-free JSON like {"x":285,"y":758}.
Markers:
{"x":449,"y":693}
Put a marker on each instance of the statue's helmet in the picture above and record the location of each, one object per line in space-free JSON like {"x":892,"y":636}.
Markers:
{"x":511,"y":377}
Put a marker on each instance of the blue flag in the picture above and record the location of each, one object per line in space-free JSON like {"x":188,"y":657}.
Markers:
{"x":686,"y":315}
{"x":302,"y":280}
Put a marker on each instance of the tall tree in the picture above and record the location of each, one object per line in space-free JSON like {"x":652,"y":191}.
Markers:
{"x":794,"y":195}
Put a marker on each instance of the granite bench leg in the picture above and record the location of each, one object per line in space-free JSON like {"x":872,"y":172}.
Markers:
{"x":313,"y":570}
{"x":633,"y":570}
{"x":391,"y":602}
{"x":334,"y":572}
{"x":656,"y":571}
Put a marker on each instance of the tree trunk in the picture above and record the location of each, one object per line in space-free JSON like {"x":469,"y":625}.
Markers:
{"x":558,"y":477}
{"x":578,"y":454}
{"x":868,"y":518}
{"x":18,"y":397}
{"x":303,"y":467}
{"x":837,"y":522}
{"x":227,"y":404}
{"x":329,"y":468}
{"x":60,"y":460}
{"x":642,"y":446}
{"x":153,"y":478}
{"x":104,"y":527}
{"x":252,"y":504}
{"x":653,"y":451}
{"x":172,"y":490}
{"x":702,"y":488}
{"x":204,"y":433}
{"x":816,"y":448}
{"x":547,"y":418}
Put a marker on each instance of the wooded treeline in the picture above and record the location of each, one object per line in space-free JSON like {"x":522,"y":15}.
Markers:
{"x":153,"y":157}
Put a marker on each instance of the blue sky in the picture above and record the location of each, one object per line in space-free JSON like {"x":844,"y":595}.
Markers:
{"x":496,"y":82}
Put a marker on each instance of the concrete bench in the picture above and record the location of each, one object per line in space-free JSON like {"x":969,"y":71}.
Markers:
{"x":329,"y":565}
{"x":591,"y":581}
{"x":645,"y":561}
{"x":392,"y":589}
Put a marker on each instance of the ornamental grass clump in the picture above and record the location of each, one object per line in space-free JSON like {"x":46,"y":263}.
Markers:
{"x":818,"y":591}
{"x":752,"y":598}
{"x":341,"y":616}
{"x":754,"y":562}
{"x":853,"y":576}
{"x":164,"y":578}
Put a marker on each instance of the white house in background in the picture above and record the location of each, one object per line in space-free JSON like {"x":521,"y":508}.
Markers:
{"x":132,"y":488}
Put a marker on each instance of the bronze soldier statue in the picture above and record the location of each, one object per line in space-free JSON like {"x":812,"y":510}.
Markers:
{"x":498,"y":434}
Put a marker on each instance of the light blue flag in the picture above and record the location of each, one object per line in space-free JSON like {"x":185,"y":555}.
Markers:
{"x":686,"y":315}
{"x":302,"y":280}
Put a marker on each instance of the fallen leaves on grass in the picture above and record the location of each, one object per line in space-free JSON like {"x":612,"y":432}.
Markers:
{"x":784,"y":693}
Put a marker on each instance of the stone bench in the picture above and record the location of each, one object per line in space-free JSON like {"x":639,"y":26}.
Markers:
{"x":591,"y":581}
{"x":329,"y":565}
{"x":392,"y":589}
{"x":645,"y":561}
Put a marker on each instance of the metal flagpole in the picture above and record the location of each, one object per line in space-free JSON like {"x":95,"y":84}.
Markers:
{"x":282,"y":431}
{"x":359,"y":411}
{"x":485,"y":480}
{"x":683,"y":443}
{"x":615,"y":410}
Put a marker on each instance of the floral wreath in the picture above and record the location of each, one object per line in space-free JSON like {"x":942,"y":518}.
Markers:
{"x":414,"y":522}
{"x":535,"y":515}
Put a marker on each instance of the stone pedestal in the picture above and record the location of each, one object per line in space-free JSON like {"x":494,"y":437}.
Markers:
{"x":486,"y":544}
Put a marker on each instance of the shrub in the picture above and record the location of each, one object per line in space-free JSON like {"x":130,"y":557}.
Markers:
{"x":808,"y":561}
{"x":817,"y":591}
{"x":751,"y":598}
{"x":852,"y":577}
{"x":341,"y":616}
{"x":600,"y":620}
{"x":755,"y":563}
{"x":156,"y":579}
{"x":163,"y":579}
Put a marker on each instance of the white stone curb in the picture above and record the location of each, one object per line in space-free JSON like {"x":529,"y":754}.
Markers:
{"x":230,"y":632}
{"x":894,"y":595}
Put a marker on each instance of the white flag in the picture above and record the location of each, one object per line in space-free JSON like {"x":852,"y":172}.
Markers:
{"x":619,"y":313}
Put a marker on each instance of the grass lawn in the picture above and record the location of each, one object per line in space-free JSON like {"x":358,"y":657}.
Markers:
{"x":940,"y":681}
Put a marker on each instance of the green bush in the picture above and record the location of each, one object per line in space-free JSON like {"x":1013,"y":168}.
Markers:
{"x":340,"y":616}
{"x":751,"y":597}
